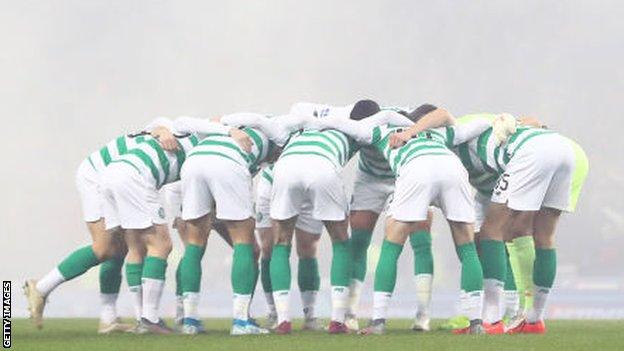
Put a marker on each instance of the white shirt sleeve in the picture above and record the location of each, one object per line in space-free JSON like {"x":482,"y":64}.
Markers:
{"x":362,"y":130}
{"x":159,"y":122}
{"x":194,"y":125}
{"x":467,"y":131}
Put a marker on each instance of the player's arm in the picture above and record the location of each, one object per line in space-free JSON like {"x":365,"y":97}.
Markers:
{"x":531,"y":121}
{"x":161,"y":129}
{"x":433,"y":117}
{"x":205,"y":126}
{"x":361,"y":131}
{"x":467,"y":131}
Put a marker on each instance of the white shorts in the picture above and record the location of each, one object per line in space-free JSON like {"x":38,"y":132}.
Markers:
{"x":130,"y":199}
{"x":438,"y":180}
{"x":212,"y":181}
{"x":370,"y":193}
{"x":481,"y":203}
{"x":173,"y":199}
{"x":263,"y":210}
{"x":89,"y":189}
{"x":301,"y":178}
{"x":539,"y":175}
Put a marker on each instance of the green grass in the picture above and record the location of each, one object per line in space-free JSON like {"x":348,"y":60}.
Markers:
{"x":80,"y":334}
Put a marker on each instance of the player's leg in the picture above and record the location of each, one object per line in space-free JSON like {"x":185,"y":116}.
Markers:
{"x":308,"y":277}
{"x":180,"y":226}
{"x":244,"y":273}
{"x":158,"y":244}
{"x":72,"y":266}
{"x":455,"y":199}
{"x":545,"y":261}
{"x":134,"y":270}
{"x":494,"y":259}
{"x":280,"y":272}
{"x":340,"y":273}
{"x":397,"y":233}
{"x":520,"y":258}
{"x":330,"y":205}
{"x":423,"y":273}
{"x":287,"y":194}
{"x":110,"y":283}
{"x":266,"y":238}
{"x":362,"y":226}
{"x":197,"y":232}
{"x":471,"y":299}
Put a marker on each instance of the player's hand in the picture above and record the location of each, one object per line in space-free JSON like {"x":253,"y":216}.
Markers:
{"x":503,"y":126}
{"x":399,"y":139}
{"x":242,"y":139}
{"x":166,"y":139}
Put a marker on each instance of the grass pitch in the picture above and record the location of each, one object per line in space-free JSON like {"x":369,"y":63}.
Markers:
{"x":80,"y":334}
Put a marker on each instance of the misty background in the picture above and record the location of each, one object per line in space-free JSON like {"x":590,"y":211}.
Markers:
{"x":75,"y":74}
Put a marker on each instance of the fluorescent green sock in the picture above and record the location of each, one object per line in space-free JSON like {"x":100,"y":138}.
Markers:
{"x":308,"y":277}
{"x":110,"y":275}
{"x":133,"y":274}
{"x":190,"y":268}
{"x":178,"y":278}
{"x":493,"y":258}
{"x":423,"y":258}
{"x":522,"y":260}
{"x":341,"y":263}
{"x":265,"y":275}
{"x":386,"y":272}
{"x":545,"y":267}
{"x":471,"y":273}
{"x":360,"y":240}
{"x":154,"y":268}
{"x":78,"y":262}
{"x":280,"y":267}
{"x":243,"y":269}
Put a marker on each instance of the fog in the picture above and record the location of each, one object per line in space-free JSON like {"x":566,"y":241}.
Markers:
{"x":75,"y":74}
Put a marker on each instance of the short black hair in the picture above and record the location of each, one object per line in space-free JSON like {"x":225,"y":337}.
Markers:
{"x":363,"y":109}
{"x":420,"y":111}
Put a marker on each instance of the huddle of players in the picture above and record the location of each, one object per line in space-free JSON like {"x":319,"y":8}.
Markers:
{"x":524,"y":176}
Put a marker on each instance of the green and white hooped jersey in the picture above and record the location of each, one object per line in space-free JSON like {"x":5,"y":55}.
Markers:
{"x":429,"y":142}
{"x":329,"y":144}
{"x":224,"y":146}
{"x":146,"y":155}
{"x":483,"y":159}
{"x":267,"y":173}
{"x":371,"y":161}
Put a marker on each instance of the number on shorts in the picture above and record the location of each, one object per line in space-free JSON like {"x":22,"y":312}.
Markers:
{"x":502,"y":184}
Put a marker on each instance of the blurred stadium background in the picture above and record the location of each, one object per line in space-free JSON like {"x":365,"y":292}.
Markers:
{"x":75,"y":74}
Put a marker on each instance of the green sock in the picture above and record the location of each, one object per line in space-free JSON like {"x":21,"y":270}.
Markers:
{"x":243,"y":269}
{"x":78,"y":262}
{"x":265,"y":275}
{"x":154,"y":268}
{"x":522,"y":260}
{"x":545,"y":267}
{"x":133,"y":274}
{"x":190,"y":268}
{"x":178,"y":278}
{"x":308,"y":277}
{"x":110,"y":275}
{"x":280,"y":267}
{"x":386,"y":272}
{"x":471,"y":273}
{"x":493,"y":258}
{"x":510,"y":280}
{"x":360,"y":240}
{"x":341,"y":263}
{"x":423,"y":258}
